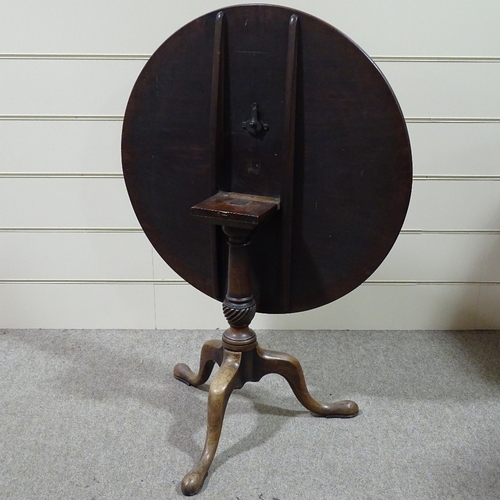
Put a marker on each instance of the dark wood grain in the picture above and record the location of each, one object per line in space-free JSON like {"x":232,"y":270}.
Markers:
{"x":288,"y":161}
{"x":236,"y":209}
{"x":216,"y":150}
{"x":352,"y":172}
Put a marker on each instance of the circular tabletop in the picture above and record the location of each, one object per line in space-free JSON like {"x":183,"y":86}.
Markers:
{"x":352,"y":168}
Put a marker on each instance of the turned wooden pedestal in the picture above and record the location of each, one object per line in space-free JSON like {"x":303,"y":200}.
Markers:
{"x":239,"y":356}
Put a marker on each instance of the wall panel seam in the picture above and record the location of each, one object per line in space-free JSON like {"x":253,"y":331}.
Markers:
{"x":96,"y":281}
{"x":73,"y":56}
{"x":119,"y":175}
{"x":436,"y":59}
{"x":59,"y":117}
{"x":452,"y":119}
{"x":134,"y":57}
{"x":113,"y":230}
{"x":110,"y":118}
{"x":175,"y":282}
{"x":55,"y":229}
{"x":61,"y":175}
{"x":455,"y":177}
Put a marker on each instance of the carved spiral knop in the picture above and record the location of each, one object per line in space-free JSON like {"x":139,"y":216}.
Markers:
{"x":238,"y":316}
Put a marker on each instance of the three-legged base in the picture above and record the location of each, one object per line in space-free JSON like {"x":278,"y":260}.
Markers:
{"x":237,"y":368}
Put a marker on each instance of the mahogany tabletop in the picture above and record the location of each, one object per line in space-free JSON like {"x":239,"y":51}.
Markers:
{"x":349,"y":172}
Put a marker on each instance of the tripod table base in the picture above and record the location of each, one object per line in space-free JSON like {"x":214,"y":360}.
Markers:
{"x":237,"y":368}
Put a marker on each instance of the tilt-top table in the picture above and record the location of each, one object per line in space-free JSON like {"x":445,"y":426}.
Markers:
{"x":263,"y":124}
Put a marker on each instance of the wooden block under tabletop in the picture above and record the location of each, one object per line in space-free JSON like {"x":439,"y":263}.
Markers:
{"x":236,"y":209}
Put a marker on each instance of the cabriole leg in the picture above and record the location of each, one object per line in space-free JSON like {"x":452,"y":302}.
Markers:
{"x":289,"y":367}
{"x":225,"y":380}
{"x":211,"y":353}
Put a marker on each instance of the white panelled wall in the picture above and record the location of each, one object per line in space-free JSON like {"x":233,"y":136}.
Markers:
{"x":72,"y":254}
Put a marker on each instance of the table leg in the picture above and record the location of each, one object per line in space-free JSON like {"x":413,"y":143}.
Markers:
{"x":211,"y":353}
{"x":289,"y":367}
{"x":225,"y":380}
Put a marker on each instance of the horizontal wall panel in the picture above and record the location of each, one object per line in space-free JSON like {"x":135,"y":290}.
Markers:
{"x":368,"y":307}
{"x":85,"y":146}
{"x":57,"y":146}
{"x":75,"y":256}
{"x":66,"y":87}
{"x":445,"y":90}
{"x":130,"y":256}
{"x":180,"y":306}
{"x":94,"y":26}
{"x":420,"y":307}
{"x":455,"y":148}
{"x":424,"y":257}
{"x":441,"y":257}
{"x":381,"y":27}
{"x":65,"y":203}
{"x":425,"y":27}
{"x":93,"y":87}
{"x":66,"y":255}
{"x":88,"y":305}
{"x":459,"y":205}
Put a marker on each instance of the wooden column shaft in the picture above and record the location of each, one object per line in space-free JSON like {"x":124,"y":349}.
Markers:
{"x":239,"y":284}
{"x":239,"y":304}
